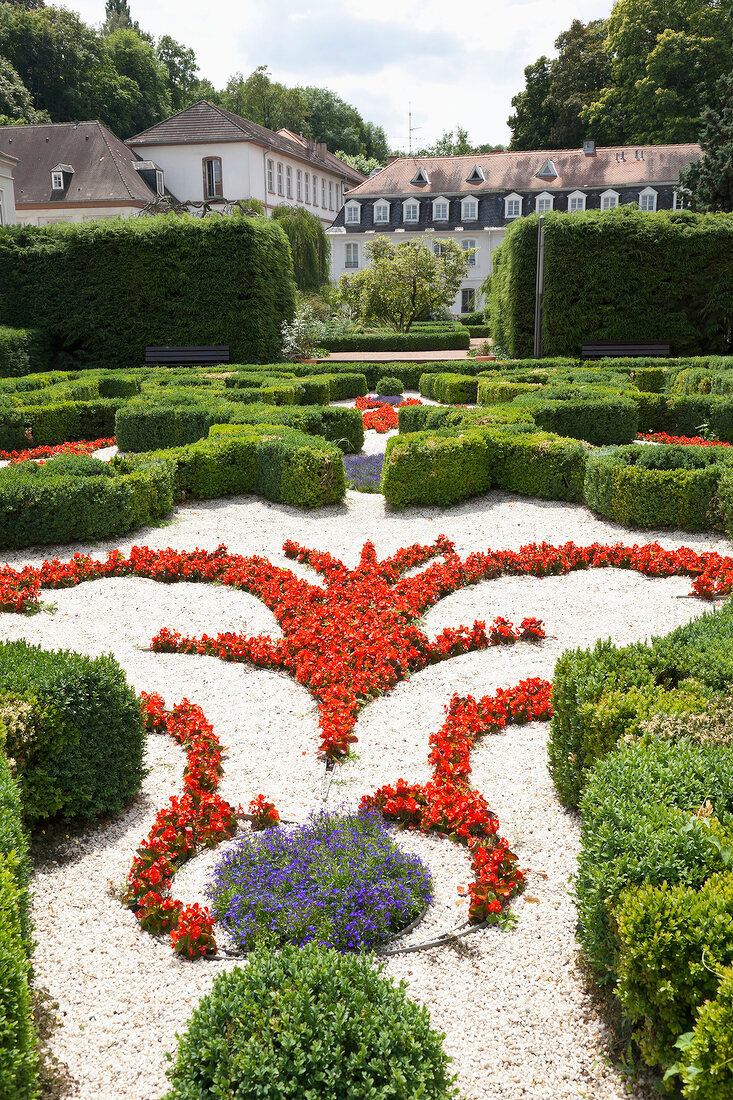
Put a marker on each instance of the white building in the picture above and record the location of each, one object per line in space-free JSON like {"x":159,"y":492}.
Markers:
{"x":472,"y":199}
{"x":211,"y":155}
{"x":7,"y":189}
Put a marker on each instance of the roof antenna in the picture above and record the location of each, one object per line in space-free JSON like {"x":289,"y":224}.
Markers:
{"x":410,"y":127}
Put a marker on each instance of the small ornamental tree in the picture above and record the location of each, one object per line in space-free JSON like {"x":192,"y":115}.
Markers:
{"x":309,"y":245}
{"x":710,"y":181}
{"x":404,"y":282}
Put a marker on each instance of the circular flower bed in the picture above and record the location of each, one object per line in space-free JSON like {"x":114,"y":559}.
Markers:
{"x":340,"y":881}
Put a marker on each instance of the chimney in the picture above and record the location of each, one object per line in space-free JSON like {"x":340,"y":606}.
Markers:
{"x":321,"y":149}
{"x":589,"y":147}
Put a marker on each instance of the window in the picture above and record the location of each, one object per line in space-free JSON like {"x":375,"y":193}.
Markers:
{"x":299,"y":185}
{"x":465,"y":245}
{"x":648,"y":200}
{"x":2,"y":209}
{"x":411,"y":212}
{"x":212,"y":178}
{"x":271,"y":176}
{"x":330,"y":194}
{"x":476,"y":175}
{"x":440,"y":210}
{"x":576,"y":202}
{"x":680,"y":198}
{"x":609,"y":199}
{"x":468,"y":300}
{"x":280,"y":190}
{"x":513,"y":206}
{"x":159,"y":183}
{"x":57,"y":181}
{"x":307,"y":187}
{"x":352,"y":255}
{"x":438,"y":244}
{"x":315,"y":190}
{"x":381,"y":213}
{"x":353,"y":213}
{"x":420,"y":176}
{"x":323,"y":193}
{"x":469,"y":210}
{"x":289,"y":181}
{"x":543,"y":203}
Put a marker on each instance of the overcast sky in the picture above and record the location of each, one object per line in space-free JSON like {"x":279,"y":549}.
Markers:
{"x":454,"y":62}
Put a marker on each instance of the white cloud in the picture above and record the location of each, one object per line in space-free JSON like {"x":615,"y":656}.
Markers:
{"x":456,"y":65}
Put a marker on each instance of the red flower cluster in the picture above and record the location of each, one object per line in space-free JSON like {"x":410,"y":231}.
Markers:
{"x":81,"y":447}
{"x":446,"y":803}
{"x":264,"y":814}
{"x":199,"y":819}
{"x":680,"y":440}
{"x":380,"y":415}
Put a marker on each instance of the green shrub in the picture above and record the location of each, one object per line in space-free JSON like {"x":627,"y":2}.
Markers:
{"x":451,"y":389}
{"x":536,"y":464}
{"x":299,"y":469}
{"x":435,"y":468}
{"x":12,"y":430}
{"x":707,"y":1062}
{"x":308,"y":1022}
{"x":497,"y":391}
{"x":649,"y":379}
{"x":223,"y":465}
{"x":673,"y":940}
{"x":448,"y":340}
{"x":21,"y":351}
{"x":663,"y":486}
{"x":18,"y":1057}
{"x":389,"y":386}
{"x":144,"y":427}
{"x":640,"y":825}
{"x":119,"y":385}
{"x":479,"y":332}
{"x":599,"y":420}
{"x":417,"y":418}
{"x":13,"y":839}
{"x":103,"y":291}
{"x":475,"y":318}
{"x":78,"y":737}
{"x":74,"y":498}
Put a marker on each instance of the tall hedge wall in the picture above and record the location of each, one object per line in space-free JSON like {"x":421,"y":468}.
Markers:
{"x":617,"y":275}
{"x":103,"y":291}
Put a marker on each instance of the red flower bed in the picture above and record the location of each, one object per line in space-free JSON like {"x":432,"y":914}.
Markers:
{"x":448,"y":805}
{"x":380,"y":415}
{"x":81,"y":447}
{"x":680,"y":440}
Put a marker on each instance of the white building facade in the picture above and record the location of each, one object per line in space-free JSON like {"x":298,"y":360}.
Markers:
{"x":472,"y":199}
{"x":7,"y":189}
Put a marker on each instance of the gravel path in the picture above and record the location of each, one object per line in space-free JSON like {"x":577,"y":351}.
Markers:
{"x":517,"y":1019}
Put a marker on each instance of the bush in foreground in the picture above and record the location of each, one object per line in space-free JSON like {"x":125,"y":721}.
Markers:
{"x":309,"y":1024}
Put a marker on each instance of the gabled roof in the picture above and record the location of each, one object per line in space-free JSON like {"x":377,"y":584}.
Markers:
{"x":520,"y":171}
{"x":103,"y":165}
{"x":203,"y":123}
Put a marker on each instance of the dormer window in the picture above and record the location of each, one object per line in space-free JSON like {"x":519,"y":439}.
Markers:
{"x":381,"y":213}
{"x":609,"y":200}
{"x":352,"y":215}
{"x":476,"y":175}
{"x":61,"y":176}
{"x":420,"y":176}
{"x":543,"y":203}
{"x":548,"y":171}
{"x":440,"y":209}
{"x":576,"y":202}
{"x":57,"y":181}
{"x":513,"y":206}
{"x":469,"y":210}
{"x":648,"y":200}
{"x":411,"y":212}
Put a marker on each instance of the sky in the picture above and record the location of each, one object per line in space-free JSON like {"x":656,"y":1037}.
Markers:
{"x":453,"y":66}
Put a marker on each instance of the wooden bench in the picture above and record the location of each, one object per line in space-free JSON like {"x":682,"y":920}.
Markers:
{"x":210,"y":353}
{"x":611,"y":350}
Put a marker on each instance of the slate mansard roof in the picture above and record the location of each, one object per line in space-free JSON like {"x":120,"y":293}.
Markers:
{"x":103,"y":166}
{"x":205,"y":122}
{"x":561,"y":169}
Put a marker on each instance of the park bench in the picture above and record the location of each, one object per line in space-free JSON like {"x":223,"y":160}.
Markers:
{"x":613,"y":350}
{"x":193,"y":356}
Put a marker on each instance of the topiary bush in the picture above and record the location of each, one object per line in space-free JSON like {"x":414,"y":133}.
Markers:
{"x":389,"y":386}
{"x":308,"y":1022}
{"x":74,"y":731}
{"x":706,"y":1062}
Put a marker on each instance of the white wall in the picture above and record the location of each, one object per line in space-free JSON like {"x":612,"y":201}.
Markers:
{"x":55,"y":214}
{"x":487,"y":240}
{"x":7,"y":191}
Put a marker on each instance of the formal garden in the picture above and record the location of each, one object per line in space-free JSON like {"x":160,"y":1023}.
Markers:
{"x":367,"y":726}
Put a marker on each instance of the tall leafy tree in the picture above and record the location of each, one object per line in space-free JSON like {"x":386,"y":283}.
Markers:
{"x":309,"y":245}
{"x":181,"y":66}
{"x":533,"y":118}
{"x":360,"y":161}
{"x":117,"y":17}
{"x":578,"y":74}
{"x":333,"y":120}
{"x":137,"y":61}
{"x":710,"y":181}
{"x":262,"y":99}
{"x":16,"y":103}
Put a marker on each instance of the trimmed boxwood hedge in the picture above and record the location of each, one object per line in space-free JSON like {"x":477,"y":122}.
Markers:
{"x":450,"y":388}
{"x":419,"y":340}
{"x":18,"y":1052}
{"x":103,"y":291}
{"x":77,"y":738}
{"x":663,"y":486}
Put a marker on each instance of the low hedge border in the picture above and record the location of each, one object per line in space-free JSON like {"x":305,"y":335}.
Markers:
{"x":436,"y":340}
{"x":450,"y":388}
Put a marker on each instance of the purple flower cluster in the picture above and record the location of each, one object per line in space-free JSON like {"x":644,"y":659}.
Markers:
{"x":363,"y":471}
{"x":339,"y":881}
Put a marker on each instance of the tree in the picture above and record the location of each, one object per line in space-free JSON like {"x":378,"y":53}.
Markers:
{"x":138,"y":62}
{"x":181,"y":66}
{"x":263,"y":100}
{"x":710,"y":181}
{"x":404,"y":281}
{"x":361,"y":162}
{"x":117,"y":17}
{"x":533,"y":119}
{"x":375,"y":142}
{"x":27,"y":5}
{"x":578,"y":74}
{"x":16,"y":103}
{"x":309,"y":245}
{"x":334,"y":121}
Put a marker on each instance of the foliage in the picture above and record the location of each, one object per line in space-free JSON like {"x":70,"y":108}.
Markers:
{"x":77,"y":746}
{"x":16,"y":104}
{"x":263,"y":100}
{"x":360,"y":161}
{"x":146,"y":79}
{"x":18,"y":347}
{"x":532,"y":121}
{"x":95,"y":289}
{"x":309,"y":245}
{"x":18,"y":1055}
{"x":339,"y":880}
{"x":404,"y":281}
{"x":301,"y":336}
{"x":710,"y":181}
{"x":707,"y":1052}
{"x":389,"y":386}
{"x":341,"y":126}
{"x":415,"y":340}
{"x":315,"y":1021}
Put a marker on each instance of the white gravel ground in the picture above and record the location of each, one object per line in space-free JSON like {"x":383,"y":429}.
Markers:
{"x":517,"y":1020}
